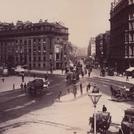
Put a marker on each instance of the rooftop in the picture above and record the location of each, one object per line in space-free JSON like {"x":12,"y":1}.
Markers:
{"x":11,"y":26}
{"x":28,"y":27}
{"x":115,"y":3}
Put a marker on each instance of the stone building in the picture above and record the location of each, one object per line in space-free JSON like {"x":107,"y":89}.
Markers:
{"x":122,"y":34}
{"x":41,"y":45}
{"x":102,"y":42}
{"x":91,"y":47}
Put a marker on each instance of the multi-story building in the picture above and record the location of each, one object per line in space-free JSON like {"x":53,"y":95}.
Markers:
{"x":91,"y":47}
{"x":122,"y":34}
{"x":107,"y":45}
{"x":99,"y":41}
{"x":102,"y":48}
{"x":40,"y":45}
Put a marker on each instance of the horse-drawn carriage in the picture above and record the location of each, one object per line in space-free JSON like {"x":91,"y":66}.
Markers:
{"x":127,"y":124}
{"x":72,"y":77}
{"x":103,"y":121}
{"x":122,"y":92}
{"x":36,"y":87}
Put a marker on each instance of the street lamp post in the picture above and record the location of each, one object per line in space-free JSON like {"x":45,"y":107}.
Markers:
{"x":94,"y":98}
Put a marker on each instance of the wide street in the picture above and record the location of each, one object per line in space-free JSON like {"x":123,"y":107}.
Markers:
{"x":21,"y":114}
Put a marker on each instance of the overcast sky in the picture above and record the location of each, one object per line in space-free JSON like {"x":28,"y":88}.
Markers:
{"x":84,"y":18}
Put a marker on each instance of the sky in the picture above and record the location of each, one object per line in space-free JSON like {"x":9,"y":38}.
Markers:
{"x":84,"y":18}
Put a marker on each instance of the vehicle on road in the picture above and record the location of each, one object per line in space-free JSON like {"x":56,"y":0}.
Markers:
{"x":122,"y":93}
{"x":103,"y":121}
{"x":5,"y":72}
{"x":36,"y":87}
{"x":19,"y":71}
{"x":127,"y":124}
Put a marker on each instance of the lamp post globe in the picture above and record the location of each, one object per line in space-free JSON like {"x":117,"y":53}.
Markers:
{"x":94,"y":98}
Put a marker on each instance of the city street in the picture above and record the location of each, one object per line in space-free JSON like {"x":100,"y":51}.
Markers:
{"x":49,"y":115}
{"x":67,"y":67}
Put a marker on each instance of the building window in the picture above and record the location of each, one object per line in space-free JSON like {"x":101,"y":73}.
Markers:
{"x":130,"y":38}
{"x":29,"y":50}
{"x":39,"y":65}
{"x":44,"y":47}
{"x":34,"y":58}
{"x":34,"y":53}
{"x":29,"y":58}
{"x":25,"y":42}
{"x":20,"y":41}
{"x":39,"y":58}
{"x":44,"y":58}
{"x":44,"y":65}
{"x":44,"y":40}
{"x":34,"y":65}
{"x":29,"y":42}
{"x":57,"y":56}
{"x":39,"y":47}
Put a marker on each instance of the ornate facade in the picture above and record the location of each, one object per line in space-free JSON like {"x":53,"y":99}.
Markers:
{"x":40,"y":45}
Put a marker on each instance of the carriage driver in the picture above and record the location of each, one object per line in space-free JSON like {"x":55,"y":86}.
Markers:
{"x":104,"y":109}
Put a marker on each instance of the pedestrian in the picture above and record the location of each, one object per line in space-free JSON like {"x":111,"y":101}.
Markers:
{"x":74,"y":90}
{"x":22,"y":77}
{"x":81,"y":89}
{"x":95,"y":89}
{"x":62,"y":70}
{"x":112,"y":90}
{"x":68,"y":90}
{"x":104,"y":109}
{"x":46,"y":77}
{"x":13,"y":86}
{"x":3,"y":79}
{"x":25,"y":87}
{"x":21,"y":86}
{"x":88,"y":87}
{"x":85,"y":70}
{"x":127,"y":77}
{"x":89,"y":73}
{"x":126,"y":92}
{"x":59,"y":95}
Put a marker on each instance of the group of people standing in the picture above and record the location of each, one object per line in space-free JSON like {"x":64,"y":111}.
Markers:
{"x":89,"y":87}
{"x":23,"y":84}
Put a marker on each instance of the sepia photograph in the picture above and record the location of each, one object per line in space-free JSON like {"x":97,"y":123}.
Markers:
{"x":66,"y":66}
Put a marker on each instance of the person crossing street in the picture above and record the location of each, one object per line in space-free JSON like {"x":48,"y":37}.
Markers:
{"x":81,"y":89}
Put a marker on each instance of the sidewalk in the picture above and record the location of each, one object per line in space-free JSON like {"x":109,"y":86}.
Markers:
{"x":96,"y":73}
{"x":57,"y":72}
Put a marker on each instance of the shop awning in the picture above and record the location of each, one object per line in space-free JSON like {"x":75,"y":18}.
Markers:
{"x":130,"y":69}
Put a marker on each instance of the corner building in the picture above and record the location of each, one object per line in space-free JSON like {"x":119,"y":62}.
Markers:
{"x":40,"y":45}
{"x":122,"y":34}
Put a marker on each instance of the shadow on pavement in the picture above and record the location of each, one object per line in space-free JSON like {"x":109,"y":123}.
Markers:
{"x":15,"y":103}
{"x":49,"y":123}
{"x":22,"y":104}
